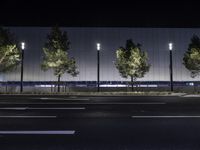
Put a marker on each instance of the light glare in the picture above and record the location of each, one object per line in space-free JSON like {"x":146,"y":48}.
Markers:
{"x":98,"y":46}
{"x":170,"y":46}
{"x":23,"y":45}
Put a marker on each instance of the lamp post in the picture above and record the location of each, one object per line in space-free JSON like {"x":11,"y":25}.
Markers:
{"x":22,"y":65}
{"x":98,"y":62}
{"x":171,"y":66}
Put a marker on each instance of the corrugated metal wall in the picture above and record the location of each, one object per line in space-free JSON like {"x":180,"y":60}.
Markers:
{"x":154,"y":41}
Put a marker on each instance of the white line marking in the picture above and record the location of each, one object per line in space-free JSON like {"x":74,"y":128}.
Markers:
{"x":13,"y":108}
{"x":57,"y":108}
{"x":145,"y":117}
{"x":64,"y":132}
{"x":86,"y":103}
{"x":63,"y":99}
{"x":190,"y":96}
{"x":28,"y":116}
{"x":132,"y":103}
{"x":72,"y":108}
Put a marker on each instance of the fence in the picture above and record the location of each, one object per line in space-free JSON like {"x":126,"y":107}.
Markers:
{"x":73,"y":86}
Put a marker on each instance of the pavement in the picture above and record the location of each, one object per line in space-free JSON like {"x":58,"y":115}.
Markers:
{"x":87,"y":123}
{"x":191,"y":95}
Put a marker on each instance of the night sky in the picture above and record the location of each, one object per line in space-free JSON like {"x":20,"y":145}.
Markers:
{"x":80,"y":13}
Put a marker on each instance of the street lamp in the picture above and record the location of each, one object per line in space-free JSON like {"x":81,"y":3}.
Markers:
{"x":22,"y":65}
{"x":171,"y":66}
{"x":98,"y":62}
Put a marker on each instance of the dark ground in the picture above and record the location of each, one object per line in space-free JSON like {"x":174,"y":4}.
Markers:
{"x":118,"y":123}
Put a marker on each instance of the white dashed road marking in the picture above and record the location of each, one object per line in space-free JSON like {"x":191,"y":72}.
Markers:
{"x":64,"y":132}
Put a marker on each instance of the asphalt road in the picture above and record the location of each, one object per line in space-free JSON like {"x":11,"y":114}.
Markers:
{"x":98,"y":123}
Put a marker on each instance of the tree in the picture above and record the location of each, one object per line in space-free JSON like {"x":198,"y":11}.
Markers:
{"x":56,"y":55}
{"x":191,"y":59}
{"x":132,"y":61}
{"x":10,"y":54}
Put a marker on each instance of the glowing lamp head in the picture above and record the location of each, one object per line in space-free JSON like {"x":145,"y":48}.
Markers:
{"x":98,"y":46}
{"x":22,"y":45}
{"x":170,"y":46}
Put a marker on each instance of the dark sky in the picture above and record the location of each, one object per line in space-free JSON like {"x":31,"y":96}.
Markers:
{"x":110,"y":13}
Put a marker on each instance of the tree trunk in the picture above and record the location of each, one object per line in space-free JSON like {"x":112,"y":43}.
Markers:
{"x":132,"y":83}
{"x":65,"y":87}
{"x":127,"y":86}
{"x":6,"y":86}
{"x":195,"y":87}
{"x":58,"y":83}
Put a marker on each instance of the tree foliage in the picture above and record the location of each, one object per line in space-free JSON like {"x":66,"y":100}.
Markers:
{"x":191,"y":59}
{"x":132,"y":61}
{"x":10,"y":54}
{"x":56,"y":55}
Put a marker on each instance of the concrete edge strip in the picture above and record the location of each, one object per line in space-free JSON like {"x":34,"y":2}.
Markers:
{"x":99,"y":95}
{"x":64,"y":132}
{"x":194,"y":96}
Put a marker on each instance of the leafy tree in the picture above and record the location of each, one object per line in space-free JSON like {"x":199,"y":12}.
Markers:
{"x":191,"y":59}
{"x":132,"y":61}
{"x":56,"y":55}
{"x":10,"y":54}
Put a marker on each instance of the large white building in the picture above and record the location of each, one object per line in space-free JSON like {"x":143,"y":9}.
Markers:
{"x":83,"y":49}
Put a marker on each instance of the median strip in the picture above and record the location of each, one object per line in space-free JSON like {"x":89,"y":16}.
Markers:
{"x":64,"y":132}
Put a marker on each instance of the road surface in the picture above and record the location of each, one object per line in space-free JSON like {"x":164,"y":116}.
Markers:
{"x":98,"y":123}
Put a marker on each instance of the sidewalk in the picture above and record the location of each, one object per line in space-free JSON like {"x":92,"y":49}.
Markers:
{"x":191,"y":95}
